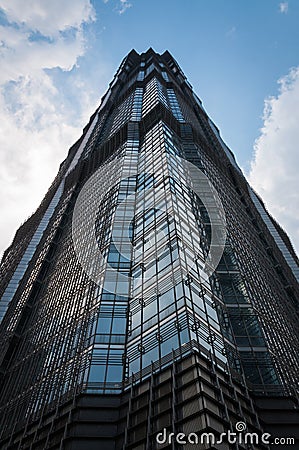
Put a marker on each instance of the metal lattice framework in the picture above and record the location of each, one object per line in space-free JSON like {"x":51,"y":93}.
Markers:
{"x":110,"y":317}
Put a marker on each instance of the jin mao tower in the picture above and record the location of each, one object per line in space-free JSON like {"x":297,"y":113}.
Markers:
{"x":151,"y":292}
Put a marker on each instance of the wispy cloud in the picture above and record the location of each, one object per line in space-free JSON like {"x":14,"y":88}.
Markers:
{"x":121,"y":6}
{"x":124,"y":5}
{"x":274,"y":169}
{"x":283,"y":7}
{"x":37,"y":124}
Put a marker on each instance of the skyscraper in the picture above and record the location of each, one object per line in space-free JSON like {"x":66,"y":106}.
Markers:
{"x":151,"y":293}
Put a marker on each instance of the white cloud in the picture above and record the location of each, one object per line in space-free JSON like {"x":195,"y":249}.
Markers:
{"x":274,"y":169}
{"x":37,"y":121}
{"x":121,"y":7}
{"x":49,"y":18}
{"x":124,"y":5}
{"x":283,"y":7}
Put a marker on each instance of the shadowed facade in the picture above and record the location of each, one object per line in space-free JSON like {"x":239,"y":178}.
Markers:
{"x":151,"y":289}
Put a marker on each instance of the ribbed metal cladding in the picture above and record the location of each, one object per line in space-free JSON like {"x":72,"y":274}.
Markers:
{"x":106,"y":351}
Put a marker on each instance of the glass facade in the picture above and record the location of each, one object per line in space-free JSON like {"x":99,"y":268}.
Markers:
{"x":150,"y":256}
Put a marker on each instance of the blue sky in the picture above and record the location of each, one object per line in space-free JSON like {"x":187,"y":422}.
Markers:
{"x":58,"y":57}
